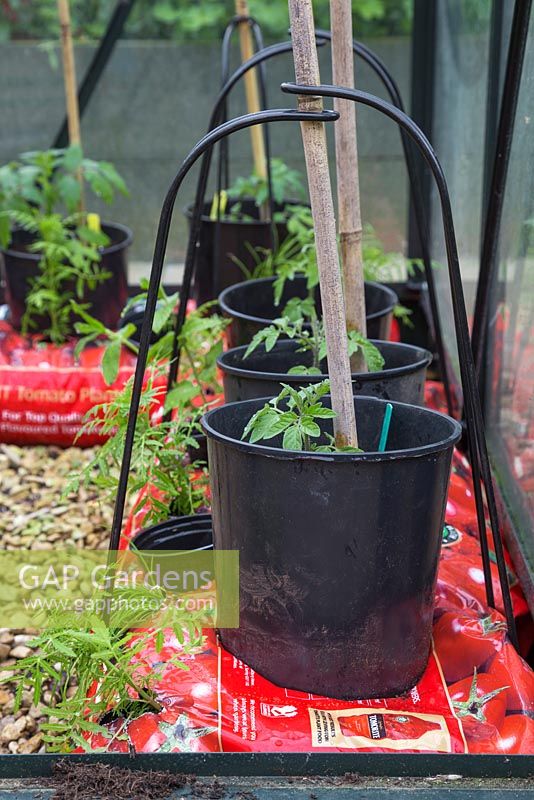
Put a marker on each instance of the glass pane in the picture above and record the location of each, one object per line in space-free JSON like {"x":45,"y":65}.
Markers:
{"x":458,"y":135}
{"x":510,"y":364}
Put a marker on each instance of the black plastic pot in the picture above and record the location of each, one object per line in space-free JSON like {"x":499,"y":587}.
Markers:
{"x":251,"y":306}
{"x":262,"y":373}
{"x":177,"y":533}
{"x":236,"y":238}
{"x":338,"y":553}
{"x":106,"y":301}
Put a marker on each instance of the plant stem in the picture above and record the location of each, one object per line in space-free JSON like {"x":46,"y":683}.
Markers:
{"x":316,"y":154}
{"x":348,"y":188}
{"x":130,"y":681}
{"x":195,"y":373}
{"x":253,"y":99}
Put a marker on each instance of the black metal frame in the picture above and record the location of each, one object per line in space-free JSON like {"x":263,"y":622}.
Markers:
{"x":224,"y":163}
{"x":286,"y":764}
{"x":98,"y":64}
{"x":422,"y":104}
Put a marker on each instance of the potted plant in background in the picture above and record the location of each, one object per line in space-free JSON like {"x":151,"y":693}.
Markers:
{"x":338,"y":525}
{"x":287,"y":276}
{"x":232,"y":227}
{"x":393,"y":371}
{"x":51,"y":251}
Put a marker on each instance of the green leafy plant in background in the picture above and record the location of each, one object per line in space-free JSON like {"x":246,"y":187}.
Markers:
{"x":200,"y":339}
{"x":163,"y":452}
{"x":183,"y":20}
{"x":286,"y":185}
{"x":296,"y":256}
{"x":312,"y":339}
{"x":296,"y":422}
{"x":289,"y":253}
{"x":40,"y":194}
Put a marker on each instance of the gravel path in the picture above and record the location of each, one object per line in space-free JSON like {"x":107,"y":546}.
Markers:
{"x":34,"y":515}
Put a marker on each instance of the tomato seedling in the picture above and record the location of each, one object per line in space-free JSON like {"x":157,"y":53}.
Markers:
{"x":296,"y":422}
{"x":40,"y":194}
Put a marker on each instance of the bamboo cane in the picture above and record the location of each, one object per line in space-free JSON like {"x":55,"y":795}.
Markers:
{"x":253,"y":98}
{"x":69,"y":78}
{"x":316,"y":155}
{"x":348,"y":187}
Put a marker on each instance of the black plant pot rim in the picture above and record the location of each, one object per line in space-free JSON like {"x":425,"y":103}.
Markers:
{"x":363,"y":377}
{"x":302,"y":455}
{"x":189,"y":210}
{"x":203,"y":521}
{"x":111,"y":248}
{"x":261,"y":281}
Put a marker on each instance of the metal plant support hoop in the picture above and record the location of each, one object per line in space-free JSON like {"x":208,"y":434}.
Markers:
{"x":223,"y":166}
{"x":475,"y":428}
{"x":219,"y":115}
{"x":473,"y":411}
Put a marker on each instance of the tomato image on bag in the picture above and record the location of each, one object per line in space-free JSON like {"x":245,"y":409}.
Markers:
{"x":516,"y":735}
{"x":480,"y":703}
{"x":464,"y":642}
{"x":507,"y":667}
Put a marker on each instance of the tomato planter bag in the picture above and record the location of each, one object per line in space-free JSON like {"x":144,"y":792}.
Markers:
{"x":45,"y":391}
{"x":476,"y":695}
{"x":219,"y":704}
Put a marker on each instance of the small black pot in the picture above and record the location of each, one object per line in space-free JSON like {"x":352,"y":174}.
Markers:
{"x":236,"y":238}
{"x":177,"y":533}
{"x":338,"y":553}
{"x":262,"y":373}
{"x":251,"y":306}
{"x":106,"y":301}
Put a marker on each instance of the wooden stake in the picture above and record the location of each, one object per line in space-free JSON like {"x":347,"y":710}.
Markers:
{"x":316,"y":154}
{"x":253,"y":98}
{"x":348,"y":186}
{"x":69,"y":78}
